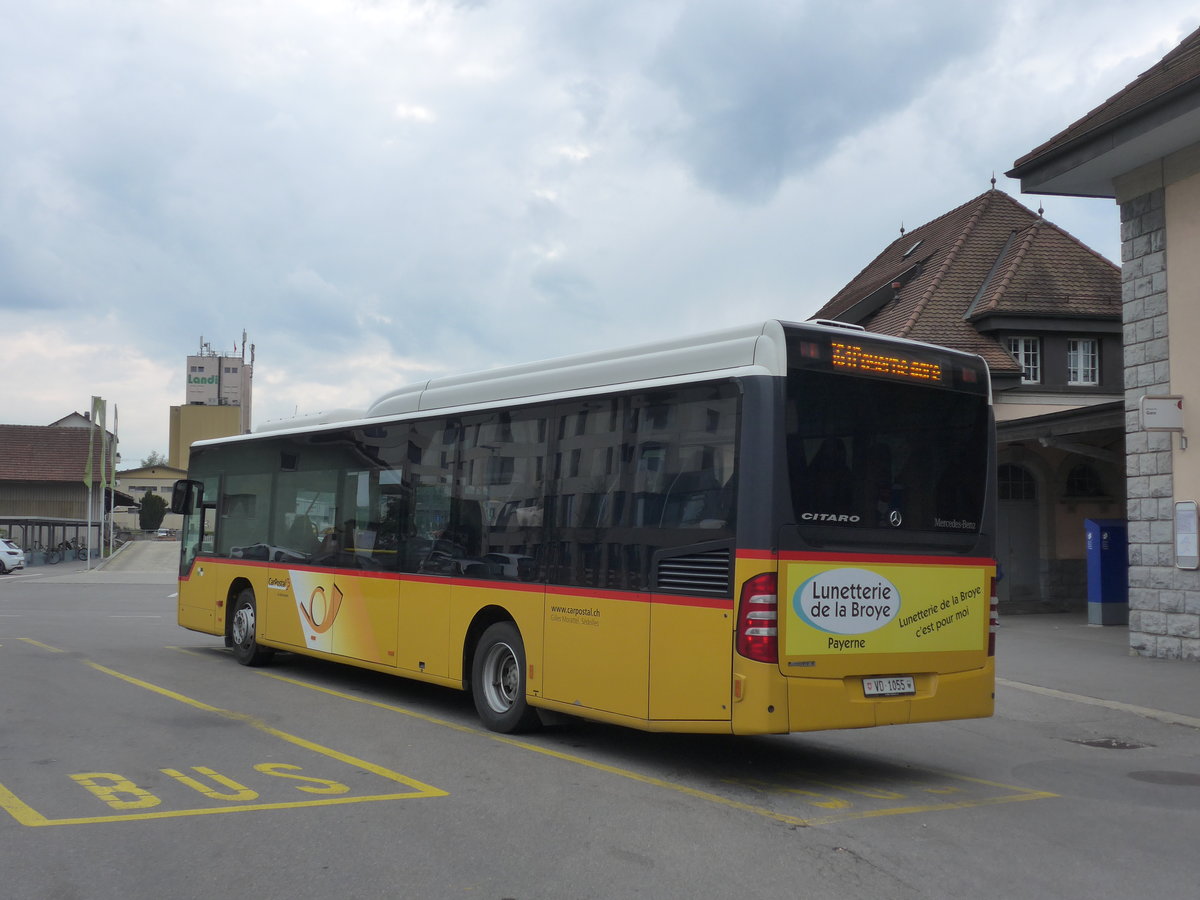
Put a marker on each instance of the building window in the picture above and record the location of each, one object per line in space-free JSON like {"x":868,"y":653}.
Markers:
{"x":1015,"y":483}
{"x":1028,"y":352}
{"x":1084,"y":481}
{"x":1083,"y":361}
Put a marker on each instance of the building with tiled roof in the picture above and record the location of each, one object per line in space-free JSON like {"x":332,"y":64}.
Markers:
{"x":995,"y":278}
{"x":1156,"y":112}
{"x":1141,"y":147}
{"x":43,"y":497}
{"x":973,"y":276}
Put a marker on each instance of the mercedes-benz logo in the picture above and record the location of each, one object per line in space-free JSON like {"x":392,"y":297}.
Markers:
{"x":895,"y":518}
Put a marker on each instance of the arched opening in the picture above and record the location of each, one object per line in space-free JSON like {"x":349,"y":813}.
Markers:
{"x":1017,"y":536}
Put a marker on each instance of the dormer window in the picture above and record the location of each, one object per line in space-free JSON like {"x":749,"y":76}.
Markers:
{"x":1083,"y":361}
{"x":1027,"y":351}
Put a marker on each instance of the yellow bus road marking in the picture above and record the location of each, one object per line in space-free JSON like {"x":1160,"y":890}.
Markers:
{"x":109,"y":786}
{"x":41,"y":645}
{"x":846,"y":810}
{"x":833,"y":797}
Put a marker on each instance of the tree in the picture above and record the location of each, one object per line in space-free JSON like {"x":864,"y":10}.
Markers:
{"x":154,"y":459}
{"x":153,"y":511}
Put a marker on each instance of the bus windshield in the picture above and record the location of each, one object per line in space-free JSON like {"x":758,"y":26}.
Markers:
{"x":903,"y":459}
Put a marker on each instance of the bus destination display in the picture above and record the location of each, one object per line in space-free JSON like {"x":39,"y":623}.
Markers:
{"x":859,"y":359}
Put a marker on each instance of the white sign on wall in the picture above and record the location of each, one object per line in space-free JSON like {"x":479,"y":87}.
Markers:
{"x":1162,"y":413}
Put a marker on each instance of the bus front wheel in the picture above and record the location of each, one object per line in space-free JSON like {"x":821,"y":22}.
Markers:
{"x":243,"y":632}
{"x":498,"y":681}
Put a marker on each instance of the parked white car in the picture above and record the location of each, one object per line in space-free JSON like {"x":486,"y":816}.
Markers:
{"x":11,"y":556}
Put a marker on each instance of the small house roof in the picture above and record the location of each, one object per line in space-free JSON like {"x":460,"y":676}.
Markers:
{"x":46,"y":453}
{"x":991,"y":256}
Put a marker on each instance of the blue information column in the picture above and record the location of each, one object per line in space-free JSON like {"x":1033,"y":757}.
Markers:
{"x":1107,"y":571}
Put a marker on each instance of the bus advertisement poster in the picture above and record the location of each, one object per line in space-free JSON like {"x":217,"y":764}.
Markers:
{"x":885,"y":608}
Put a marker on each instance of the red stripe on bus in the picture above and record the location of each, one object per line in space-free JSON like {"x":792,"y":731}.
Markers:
{"x":757,"y":554}
{"x":641,"y":597}
{"x":891,"y":558}
{"x":524,"y":586}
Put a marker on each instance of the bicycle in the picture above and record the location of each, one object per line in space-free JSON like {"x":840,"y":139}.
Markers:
{"x":50,"y":555}
{"x":76,"y":548}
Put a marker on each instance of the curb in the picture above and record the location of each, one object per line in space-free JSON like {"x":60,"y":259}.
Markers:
{"x":114,"y":555}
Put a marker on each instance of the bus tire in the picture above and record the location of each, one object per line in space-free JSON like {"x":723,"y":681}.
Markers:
{"x":243,"y":634}
{"x":498,"y":681}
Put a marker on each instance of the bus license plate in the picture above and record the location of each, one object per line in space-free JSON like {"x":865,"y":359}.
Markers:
{"x":896,"y":686}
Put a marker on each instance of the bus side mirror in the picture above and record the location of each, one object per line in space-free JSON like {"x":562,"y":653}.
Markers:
{"x":186,"y":496}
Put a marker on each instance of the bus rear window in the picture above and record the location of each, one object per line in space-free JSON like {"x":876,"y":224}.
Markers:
{"x":869,"y":453}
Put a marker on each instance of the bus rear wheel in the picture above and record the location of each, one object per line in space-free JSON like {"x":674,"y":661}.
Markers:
{"x":243,"y":634}
{"x":498,"y":681}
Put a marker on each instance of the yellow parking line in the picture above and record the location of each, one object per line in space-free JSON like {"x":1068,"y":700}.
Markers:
{"x":262,"y":726}
{"x":1022,"y":793}
{"x":43,"y":646}
{"x":27,"y":815}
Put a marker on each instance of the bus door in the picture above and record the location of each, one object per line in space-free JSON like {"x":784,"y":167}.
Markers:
{"x":197,"y":581}
{"x":347,"y":597}
{"x":332,"y":585}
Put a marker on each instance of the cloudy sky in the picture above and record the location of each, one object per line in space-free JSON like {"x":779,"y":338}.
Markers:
{"x":377,"y":192}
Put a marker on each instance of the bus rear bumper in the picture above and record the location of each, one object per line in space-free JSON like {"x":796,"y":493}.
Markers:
{"x":818,"y":704}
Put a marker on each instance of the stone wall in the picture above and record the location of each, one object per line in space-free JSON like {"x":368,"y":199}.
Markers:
{"x":1164,"y":602}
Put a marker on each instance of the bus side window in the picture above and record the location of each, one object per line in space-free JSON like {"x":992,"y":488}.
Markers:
{"x":302,"y":534}
{"x":417,"y":511}
{"x":693,"y":500}
{"x":243,"y":514}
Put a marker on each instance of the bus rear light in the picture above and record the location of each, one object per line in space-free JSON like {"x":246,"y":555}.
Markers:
{"x":810,"y":349}
{"x":758,"y":619}
{"x":993,"y":622}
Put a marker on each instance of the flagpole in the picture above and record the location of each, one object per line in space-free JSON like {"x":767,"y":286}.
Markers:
{"x":112,"y":481}
{"x":87,"y":475}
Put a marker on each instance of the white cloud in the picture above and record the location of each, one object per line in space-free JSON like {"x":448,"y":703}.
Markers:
{"x":377,"y":192}
{"x":414,"y":113}
{"x":54,"y":370}
{"x":573,"y":153}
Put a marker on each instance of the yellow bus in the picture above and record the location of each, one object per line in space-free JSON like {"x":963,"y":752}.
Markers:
{"x":773,"y":528}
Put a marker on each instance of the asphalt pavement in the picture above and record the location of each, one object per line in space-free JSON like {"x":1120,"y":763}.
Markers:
{"x":1056,"y":655}
{"x":1062,"y":655}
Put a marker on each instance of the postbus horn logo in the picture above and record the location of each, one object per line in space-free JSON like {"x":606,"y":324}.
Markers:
{"x":319,"y":613}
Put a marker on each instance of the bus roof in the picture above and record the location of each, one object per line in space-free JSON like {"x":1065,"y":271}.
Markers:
{"x":758,"y":347}
{"x":754,"y":349}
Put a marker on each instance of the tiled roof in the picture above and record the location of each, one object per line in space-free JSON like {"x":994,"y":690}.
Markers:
{"x":42,"y":453}
{"x":990,"y":256}
{"x":1175,"y":73}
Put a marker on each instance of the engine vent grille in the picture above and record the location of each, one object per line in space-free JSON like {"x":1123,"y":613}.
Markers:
{"x":697,"y":573}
